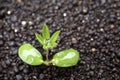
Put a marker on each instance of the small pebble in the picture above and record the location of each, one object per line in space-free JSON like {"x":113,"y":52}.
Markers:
{"x":92,"y":67}
{"x":91,"y":73}
{"x":15,"y":30}
{"x":21,"y":67}
{"x":56,"y":7}
{"x":83,"y":21}
{"x":91,"y":39}
{"x":15,"y":69}
{"x":34,"y":77}
{"x":41,"y":76}
{"x":1,"y":43}
{"x":71,"y":78}
{"x":93,"y":49}
{"x":11,"y":72}
{"x":118,"y":54}
{"x":3,"y":64}
{"x":112,"y":26}
{"x":19,"y":1}
{"x":5,"y":78}
{"x":23,"y":23}
{"x":64,"y":14}
{"x":8,"y":12}
{"x":101,"y":29}
{"x":11,"y":43}
{"x":25,"y":71}
{"x":14,"y":18}
{"x":74,"y":40}
{"x":103,"y":1}
{"x":85,"y":10}
{"x":18,"y":77}
{"x":14,"y":52}
{"x":8,"y":62}
{"x":78,"y":28}
{"x":98,"y":20}
{"x":11,"y":35}
{"x":30,"y":23}
{"x":1,"y":36}
{"x":0,"y":68}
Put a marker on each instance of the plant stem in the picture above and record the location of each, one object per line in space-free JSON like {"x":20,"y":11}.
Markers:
{"x":47,"y":62}
{"x":47,"y":54}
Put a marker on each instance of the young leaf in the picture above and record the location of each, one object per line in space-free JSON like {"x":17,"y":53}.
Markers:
{"x":54,"y":36}
{"x":66,"y":58}
{"x":30,"y":55}
{"x":46,"y":46}
{"x":39,"y":38}
{"x":53,"y":44}
{"x":45,"y":32}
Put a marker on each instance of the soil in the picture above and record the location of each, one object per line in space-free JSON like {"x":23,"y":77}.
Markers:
{"x":90,"y":26}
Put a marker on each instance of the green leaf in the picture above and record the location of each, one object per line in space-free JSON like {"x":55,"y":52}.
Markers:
{"x":46,"y":46}
{"x":53,"y":44}
{"x":39,"y":38}
{"x":54,"y":37}
{"x":66,"y":58}
{"x":30,"y":55}
{"x":45,"y":32}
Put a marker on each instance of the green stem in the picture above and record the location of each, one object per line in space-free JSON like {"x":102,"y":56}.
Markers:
{"x":47,"y":62}
{"x":47,"y":54}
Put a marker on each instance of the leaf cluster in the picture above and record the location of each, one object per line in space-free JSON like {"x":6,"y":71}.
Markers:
{"x":46,"y":39}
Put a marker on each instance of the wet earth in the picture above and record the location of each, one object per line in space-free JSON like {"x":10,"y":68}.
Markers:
{"x":90,"y":26}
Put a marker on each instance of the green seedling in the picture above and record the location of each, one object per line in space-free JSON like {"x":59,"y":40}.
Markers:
{"x":32,"y":56}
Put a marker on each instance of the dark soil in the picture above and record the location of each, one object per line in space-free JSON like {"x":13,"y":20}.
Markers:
{"x":90,"y":26}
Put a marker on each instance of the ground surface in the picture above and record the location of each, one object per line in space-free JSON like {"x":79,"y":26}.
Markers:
{"x":90,"y":26}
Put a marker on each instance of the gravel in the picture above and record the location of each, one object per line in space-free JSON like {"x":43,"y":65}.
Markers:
{"x":90,"y":26}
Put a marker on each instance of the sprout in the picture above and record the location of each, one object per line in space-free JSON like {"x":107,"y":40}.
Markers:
{"x":32,"y":56}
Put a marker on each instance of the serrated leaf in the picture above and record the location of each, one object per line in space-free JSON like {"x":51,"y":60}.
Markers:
{"x":54,"y":36}
{"x":39,"y":38}
{"x":45,"y":32}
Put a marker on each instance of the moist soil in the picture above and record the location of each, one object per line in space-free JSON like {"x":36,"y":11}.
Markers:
{"x":90,"y":26}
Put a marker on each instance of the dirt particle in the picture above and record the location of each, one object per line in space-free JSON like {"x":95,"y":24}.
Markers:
{"x":18,"y":1}
{"x":9,"y":12}
{"x":30,"y":23}
{"x":64,"y":14}
{"x":83,"y":21}
{"x":15,"y":30}
{"x":74,"y":40}
{"x":98,"y":20}
{"x":1,"y":42}
{"x":34,"y":77}
{"x":93,"y":49}
{"x":101,"y":29}
{"x":14,"y":18}
{"x":85,"y":10}
{"x":41,"y":76}
{"x":23,"y":23}
{"x":112,"y":26}
{"x":91,"y":39}
{"x":18,"y":77}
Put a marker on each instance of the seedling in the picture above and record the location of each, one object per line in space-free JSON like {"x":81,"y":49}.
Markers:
{"x":32,"y":56}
